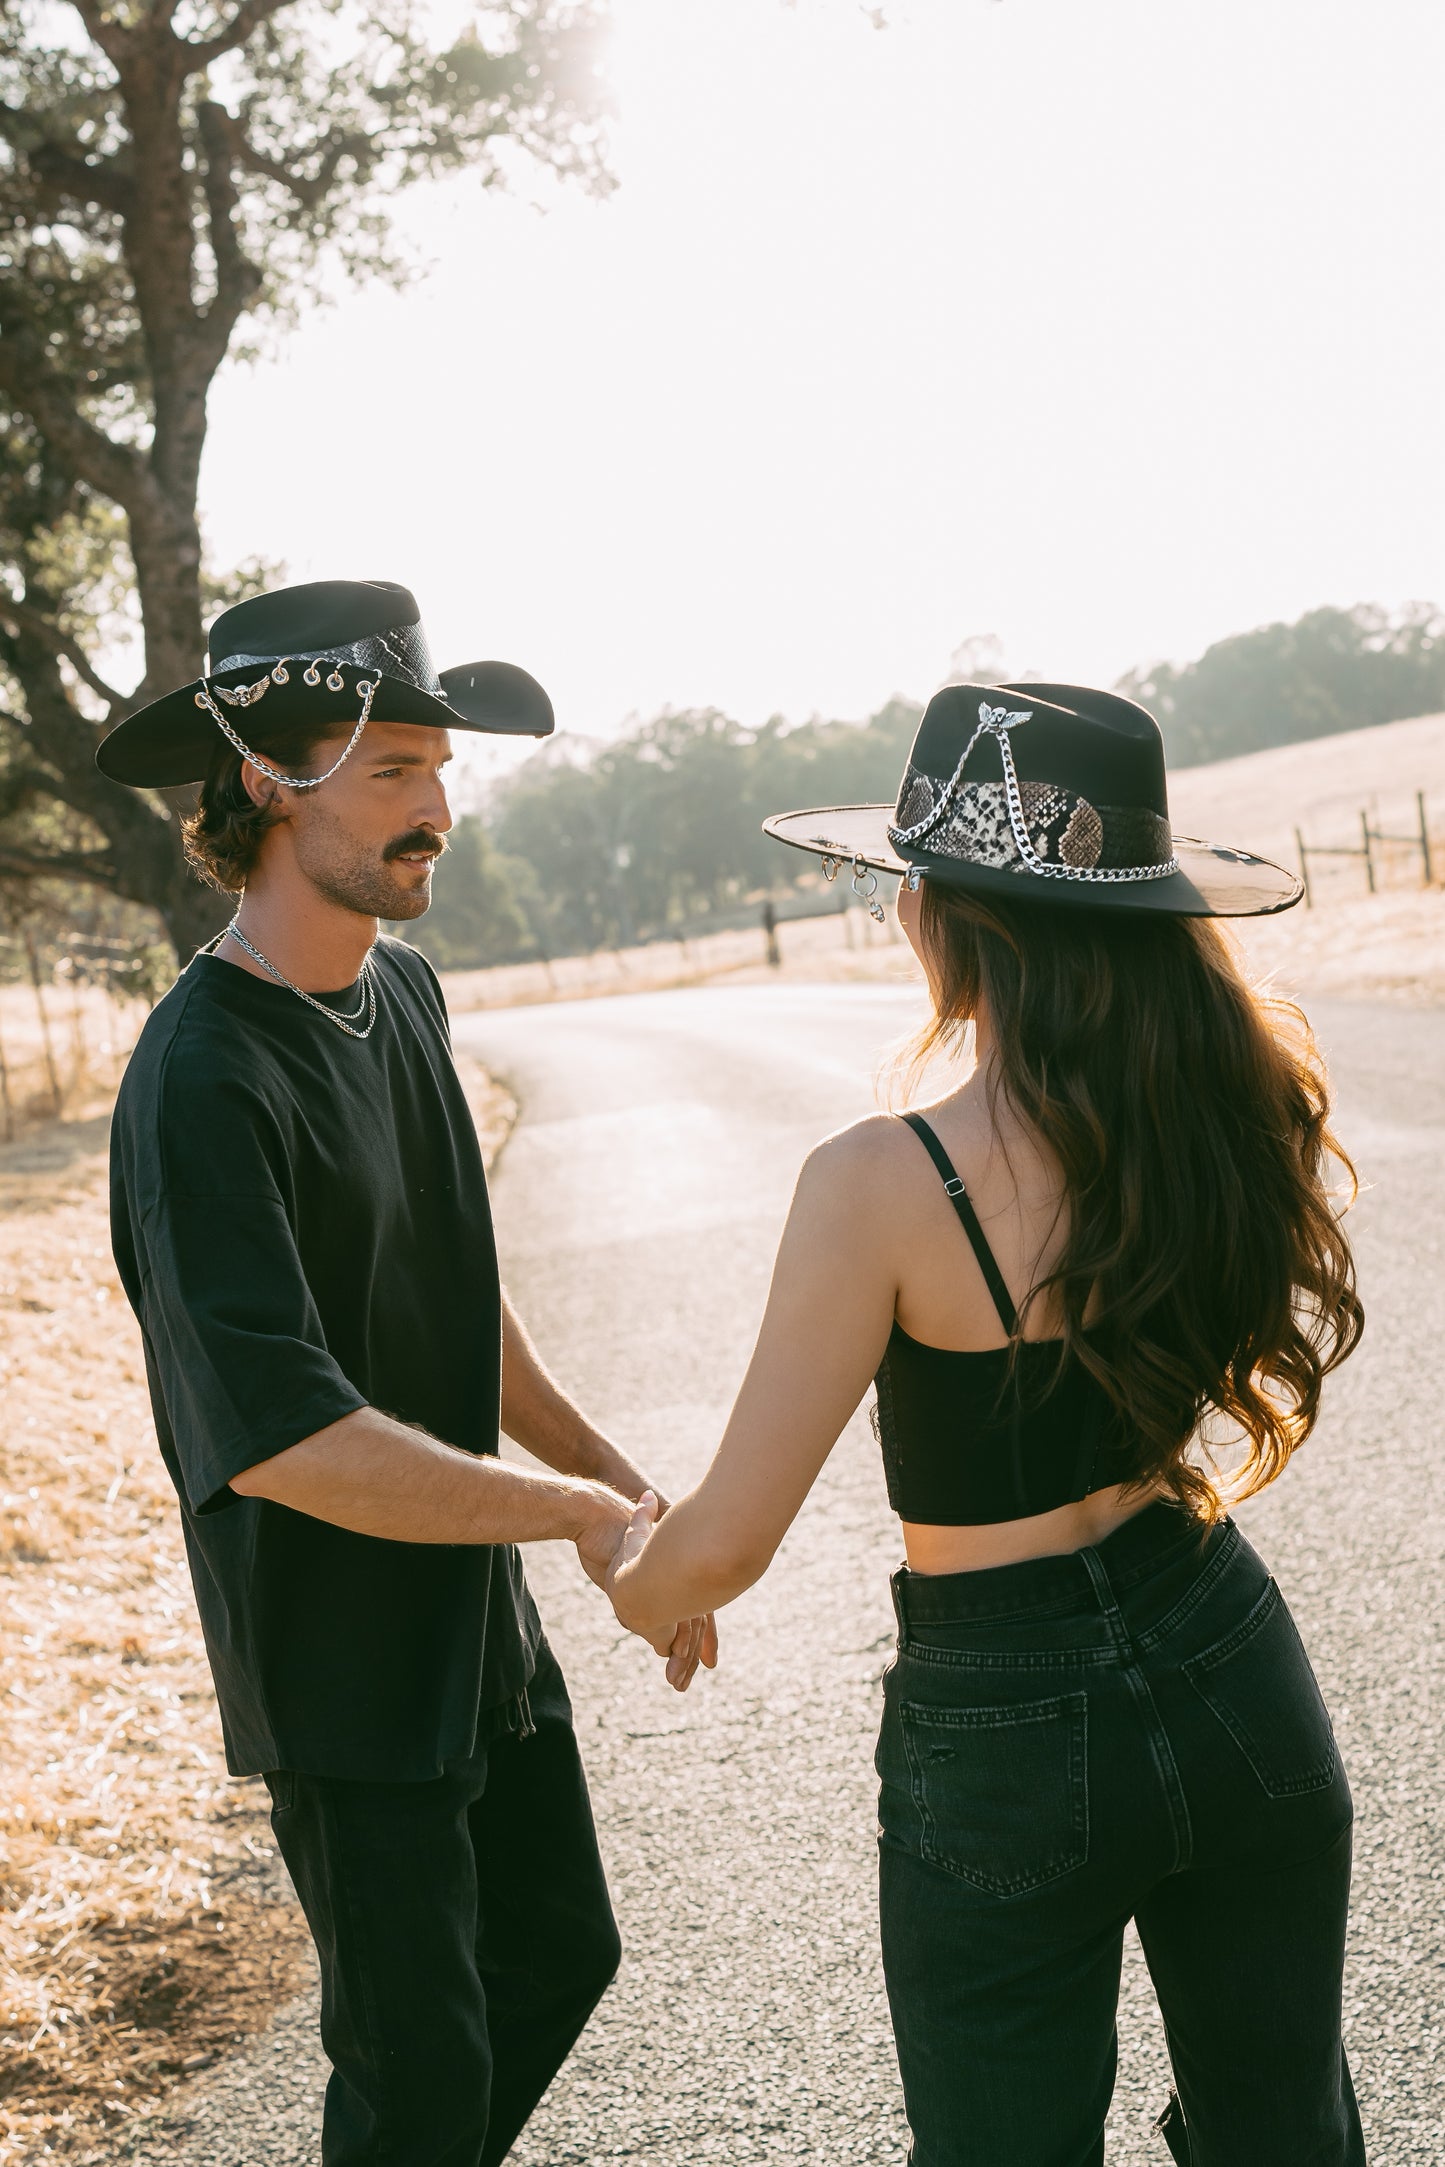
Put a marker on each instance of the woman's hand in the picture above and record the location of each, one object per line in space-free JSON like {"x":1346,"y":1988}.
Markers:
{"x":685,"y":1642}
{"x":616,"y":1531}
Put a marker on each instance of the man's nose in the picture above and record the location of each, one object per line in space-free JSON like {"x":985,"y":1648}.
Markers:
{"x":436,"y":812}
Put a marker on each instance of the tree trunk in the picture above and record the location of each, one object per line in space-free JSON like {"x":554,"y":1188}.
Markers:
{"x":140,"y":858}
{"x":193,"y":914}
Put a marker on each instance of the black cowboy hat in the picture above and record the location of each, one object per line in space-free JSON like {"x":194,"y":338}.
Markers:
{"x":1051,"y":791}
{"x":341,"y":635}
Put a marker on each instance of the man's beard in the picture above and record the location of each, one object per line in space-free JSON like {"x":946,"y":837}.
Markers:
{"x":359,"y":881}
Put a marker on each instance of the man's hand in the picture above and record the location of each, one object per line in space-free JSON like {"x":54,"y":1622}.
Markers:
{"x":607,"y":1516}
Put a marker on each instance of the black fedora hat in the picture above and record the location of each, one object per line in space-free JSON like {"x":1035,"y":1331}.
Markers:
{"x":307,"y":653}
{"x":1050,"y":791}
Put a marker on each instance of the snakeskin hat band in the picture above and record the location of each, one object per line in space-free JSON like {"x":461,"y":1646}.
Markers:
{"x":1052,"y":792}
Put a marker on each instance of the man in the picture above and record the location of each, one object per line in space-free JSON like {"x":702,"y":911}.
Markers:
{"x":300,"y":1220}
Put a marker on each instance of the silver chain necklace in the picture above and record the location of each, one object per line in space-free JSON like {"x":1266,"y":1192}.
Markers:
{"x":343,"y":1023}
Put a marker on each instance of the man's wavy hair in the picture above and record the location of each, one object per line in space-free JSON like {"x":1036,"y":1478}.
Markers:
{"x":223,"y":835}
{"x":1189,"y":1114}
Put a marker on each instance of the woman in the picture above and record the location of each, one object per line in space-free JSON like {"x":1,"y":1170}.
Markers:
{"x":1100,"y":1286}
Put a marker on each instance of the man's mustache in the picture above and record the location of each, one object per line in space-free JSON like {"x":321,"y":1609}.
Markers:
{"x":415,"y":839}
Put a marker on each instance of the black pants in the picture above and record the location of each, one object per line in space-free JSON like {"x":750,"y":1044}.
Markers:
{"x":1133,"y":1731}
{"x":465,"y":1936}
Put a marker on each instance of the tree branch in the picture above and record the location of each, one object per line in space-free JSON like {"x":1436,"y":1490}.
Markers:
{"x":28,"y":619}
{"x":87,"y":452}
{"x":19,"y":784}
{"x":249,"y":16}
{"x":110,"y":36}
{"x":94,"y":865}
{"x":64,"y":170}
{"x":237,"y":278}
{"x":308,"y":189}
{"x":102,"y":184}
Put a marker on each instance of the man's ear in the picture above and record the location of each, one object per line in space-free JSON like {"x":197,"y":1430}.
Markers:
{"x":259,"y":788}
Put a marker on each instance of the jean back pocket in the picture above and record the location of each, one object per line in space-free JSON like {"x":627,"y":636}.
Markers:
{"x":1259,"y":1683}
{"x":1002,"y":1793}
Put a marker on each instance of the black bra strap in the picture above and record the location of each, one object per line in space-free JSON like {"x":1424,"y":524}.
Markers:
{"x":968,"y":1217}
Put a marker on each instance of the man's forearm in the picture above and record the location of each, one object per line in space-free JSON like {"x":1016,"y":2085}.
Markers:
{"x":376,"y":1476}
{"x":537,"y":1415}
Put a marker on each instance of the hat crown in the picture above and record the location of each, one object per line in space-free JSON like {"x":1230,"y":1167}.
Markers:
{"x":322,"y":651}
{"x":1098,"y":745}
{"x":1057,"y":781}
{"x":322,"y":616}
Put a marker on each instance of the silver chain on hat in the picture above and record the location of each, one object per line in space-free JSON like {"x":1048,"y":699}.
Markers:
{"x":343,"y":1023}
{"x":997,"y":722}
{"x":278,"y":674}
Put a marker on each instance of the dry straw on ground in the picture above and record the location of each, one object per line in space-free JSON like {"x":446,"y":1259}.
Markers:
{"x":143,"y":1922}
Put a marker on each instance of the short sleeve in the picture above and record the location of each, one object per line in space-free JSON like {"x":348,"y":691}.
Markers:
{"x":242,"y":1362}
{"x":422,"y":980}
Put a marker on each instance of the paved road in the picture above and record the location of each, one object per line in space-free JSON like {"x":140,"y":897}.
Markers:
{"x":638,"y":1205}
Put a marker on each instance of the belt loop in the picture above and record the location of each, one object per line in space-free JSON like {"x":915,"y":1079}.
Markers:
{"x":1104,"y":1595}
{"x":895,"y":1589}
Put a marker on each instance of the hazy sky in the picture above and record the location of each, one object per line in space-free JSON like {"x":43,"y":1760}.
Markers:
{"x":1108,"y":327}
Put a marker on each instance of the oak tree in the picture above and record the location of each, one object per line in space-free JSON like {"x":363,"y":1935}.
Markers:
{"x":173,"y":174}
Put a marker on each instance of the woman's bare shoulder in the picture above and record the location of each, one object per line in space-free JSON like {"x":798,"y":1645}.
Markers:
{"x":879,"y":1149}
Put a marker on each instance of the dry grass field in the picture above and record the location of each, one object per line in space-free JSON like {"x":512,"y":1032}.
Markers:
{"x":143,"y":1922}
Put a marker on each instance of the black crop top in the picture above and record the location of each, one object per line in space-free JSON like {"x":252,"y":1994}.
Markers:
{"x":966,"y":1441}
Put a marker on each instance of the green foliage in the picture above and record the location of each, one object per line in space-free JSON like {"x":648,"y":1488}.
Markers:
{"x":481,"y":905}
{"x":1336,"y":669}
{"x":660,"y":833}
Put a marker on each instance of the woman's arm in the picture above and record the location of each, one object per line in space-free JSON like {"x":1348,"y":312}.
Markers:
{"x":829,"y":1313}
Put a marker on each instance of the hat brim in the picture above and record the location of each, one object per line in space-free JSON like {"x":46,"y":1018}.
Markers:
{"x":1213,"y":880}
{"x":171,"y":741}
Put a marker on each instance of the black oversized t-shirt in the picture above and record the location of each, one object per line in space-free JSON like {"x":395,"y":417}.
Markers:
{"x":300,"y":1220}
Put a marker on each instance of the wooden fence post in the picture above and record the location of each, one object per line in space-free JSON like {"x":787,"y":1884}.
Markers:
{"x":5,"y":1099}
{"x":1369,"y":854}
{"x":1304,"y":869}
{"x":33,"y":954}
{"x":1424,"y":837}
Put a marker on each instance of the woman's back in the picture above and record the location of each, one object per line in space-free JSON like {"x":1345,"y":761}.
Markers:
{"x":974,"y":1442}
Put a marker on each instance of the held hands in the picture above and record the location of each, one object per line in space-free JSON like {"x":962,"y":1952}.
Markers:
{"x":618,"y":1536}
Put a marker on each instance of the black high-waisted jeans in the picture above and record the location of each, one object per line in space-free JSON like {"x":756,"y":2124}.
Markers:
{"x":1133,"y":1731}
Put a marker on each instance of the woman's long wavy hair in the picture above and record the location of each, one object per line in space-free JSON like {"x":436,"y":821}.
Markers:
{"x":1189,"y":1114}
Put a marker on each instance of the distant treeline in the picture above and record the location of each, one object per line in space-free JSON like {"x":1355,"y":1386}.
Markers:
{"x":1336,"y":669}
{"x":658,"y":833}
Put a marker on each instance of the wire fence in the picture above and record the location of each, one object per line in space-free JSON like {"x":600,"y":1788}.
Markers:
{"x":1389,"y":857}
{"x":70,"y":1012}
{"x":832,"y":930}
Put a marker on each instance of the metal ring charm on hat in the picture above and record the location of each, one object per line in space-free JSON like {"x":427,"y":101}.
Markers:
{"x":367,"y":687}
{"x":865,"y":886}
